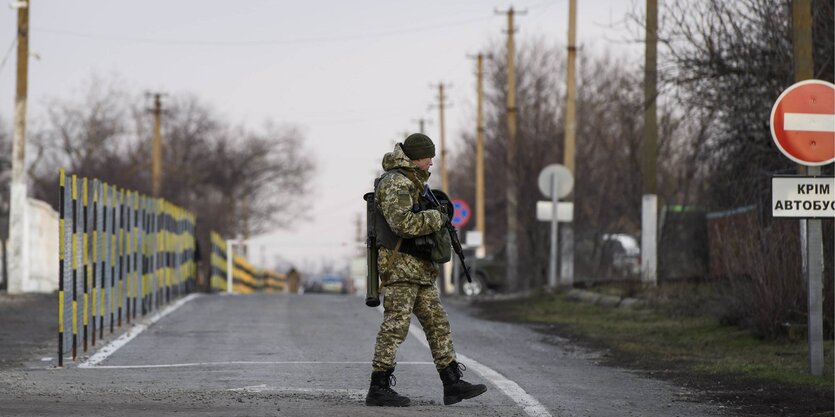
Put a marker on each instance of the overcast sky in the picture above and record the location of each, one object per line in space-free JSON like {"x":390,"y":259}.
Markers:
{"x":353,"y":75}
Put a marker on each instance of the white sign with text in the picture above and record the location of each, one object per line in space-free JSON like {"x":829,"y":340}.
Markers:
{"x":804,"y":197}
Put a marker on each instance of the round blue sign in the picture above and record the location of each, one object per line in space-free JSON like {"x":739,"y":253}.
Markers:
{"x":461,"y":214}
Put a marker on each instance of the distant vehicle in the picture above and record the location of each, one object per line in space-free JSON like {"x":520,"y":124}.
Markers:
{"x":327,"y":283}
{"x":622,"y":253}
{"x":489,"y":276}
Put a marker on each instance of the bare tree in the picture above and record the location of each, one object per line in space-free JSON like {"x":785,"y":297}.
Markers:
{"x":608,"y":184}
{"x":267,"y":170}
{"x":235,"y":179}
{"x":724,"y":63}
{"x":730,"y":60}
{"x":89,"y":137}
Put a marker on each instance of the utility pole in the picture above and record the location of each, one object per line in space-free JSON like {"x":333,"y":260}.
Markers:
{"x":18,"y":222}
{"x":811,"y":238}
{"x":441,"y":104}
{"x":571,"y":90}
{"x":156,"y":150}
{"x":481,"y":251}
{"x":649,"y":204}
{"x":567,"y":230}
{"x":422,"y":124}
{"x":445,"y":284}
{"x":512,"y":191}
{"x":245,"y":213}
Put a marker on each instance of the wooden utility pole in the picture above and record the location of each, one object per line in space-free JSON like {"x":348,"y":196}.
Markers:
{"x":650,"y":95}
{"x":445,"y":283}
{"x":156,"y":150}
{"x":649,"y":204}
{"x":441,"y":104}
{"x":802,"y":36}
{"x":512,"y":190}
{"x":811,"y":238}
{"x":567,"y":230}
{"x":571,"y":90}
{"x":245,"y":213}
{"x":479,"y":157}
{"x":18,"y":230}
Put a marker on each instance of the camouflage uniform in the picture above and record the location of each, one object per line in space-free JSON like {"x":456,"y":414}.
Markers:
{"x":408,"y":282}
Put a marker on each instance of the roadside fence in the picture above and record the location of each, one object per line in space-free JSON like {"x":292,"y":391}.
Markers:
{"x":245,"y":277}
{"x":121,"y":254}
{"x":217,"y":278}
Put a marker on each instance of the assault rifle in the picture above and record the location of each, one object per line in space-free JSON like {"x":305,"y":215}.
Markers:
{"x":453,"y":234}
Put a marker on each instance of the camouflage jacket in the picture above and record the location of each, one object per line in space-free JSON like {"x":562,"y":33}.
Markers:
{"x":394,"y":196}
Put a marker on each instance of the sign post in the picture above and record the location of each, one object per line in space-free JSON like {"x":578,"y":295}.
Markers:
{"x":555,"y":181}
{"x":461,"y":214}
{"x":552,"y":256}
{"x":803,"y":128}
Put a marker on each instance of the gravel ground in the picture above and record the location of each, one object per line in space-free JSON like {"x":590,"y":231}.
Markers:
{"x":28,"y":328}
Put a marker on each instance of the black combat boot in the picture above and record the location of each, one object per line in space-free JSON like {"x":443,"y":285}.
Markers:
{"x":455,"y":388}
{"x":380,"y":392}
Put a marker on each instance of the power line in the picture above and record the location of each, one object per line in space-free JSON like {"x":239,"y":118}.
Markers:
{"x":267,"y":42}
{"x":8,"y":53}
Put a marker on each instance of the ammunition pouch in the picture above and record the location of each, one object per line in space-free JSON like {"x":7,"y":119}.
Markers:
{"x":420,"y":247}
{"x":435,"y":247}
{"x":441,"y":246}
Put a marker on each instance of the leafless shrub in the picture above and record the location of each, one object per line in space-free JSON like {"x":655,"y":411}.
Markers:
{"x":757,"y":274}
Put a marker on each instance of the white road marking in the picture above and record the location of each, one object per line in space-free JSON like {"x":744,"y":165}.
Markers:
{"x":809,"y":122}
{"x":126,"y":337}
{"x":183,"y":365}
{"x":529,"y":404}
{"x":354,"y":393}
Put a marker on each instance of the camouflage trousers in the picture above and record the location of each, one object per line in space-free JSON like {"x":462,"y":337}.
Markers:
{"x":400,"y":301}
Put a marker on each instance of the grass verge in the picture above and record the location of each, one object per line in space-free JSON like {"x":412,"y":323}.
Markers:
{"x":689,"y":347}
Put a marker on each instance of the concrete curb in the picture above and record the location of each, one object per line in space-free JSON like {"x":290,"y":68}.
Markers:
{"x":611,"y":301}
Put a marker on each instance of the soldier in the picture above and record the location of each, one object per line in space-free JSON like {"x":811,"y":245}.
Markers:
{"x":408,"y":276}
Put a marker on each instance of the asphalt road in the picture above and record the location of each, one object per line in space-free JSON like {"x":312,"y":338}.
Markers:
{"x":309,"y":355}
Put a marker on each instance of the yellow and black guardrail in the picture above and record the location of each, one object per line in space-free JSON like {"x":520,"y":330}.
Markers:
{"x":245,"y":277}
{"x":217,"y":278}
{"x":121,"y":253}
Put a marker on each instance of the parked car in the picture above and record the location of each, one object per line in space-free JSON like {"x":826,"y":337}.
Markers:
{"x":488,"y":274}
{"x":622,"y":253}
{"x":327,"y":283}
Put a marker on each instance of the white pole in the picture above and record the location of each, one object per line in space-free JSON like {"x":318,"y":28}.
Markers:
{"x":229,"y":266}
{"x":649,"y":237}
{"x":18,"y":223}
{"x":552,"y":261}
{"x":814,"y":282}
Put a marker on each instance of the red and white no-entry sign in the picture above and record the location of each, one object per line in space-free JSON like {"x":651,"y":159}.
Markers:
{"x":803,"y":122}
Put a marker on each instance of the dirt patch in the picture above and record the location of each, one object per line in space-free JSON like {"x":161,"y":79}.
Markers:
{"x":741,"y":396}
{"x":28,"y":328}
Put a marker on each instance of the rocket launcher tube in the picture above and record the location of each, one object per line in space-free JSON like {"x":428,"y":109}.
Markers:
{"x":372,"y":282}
